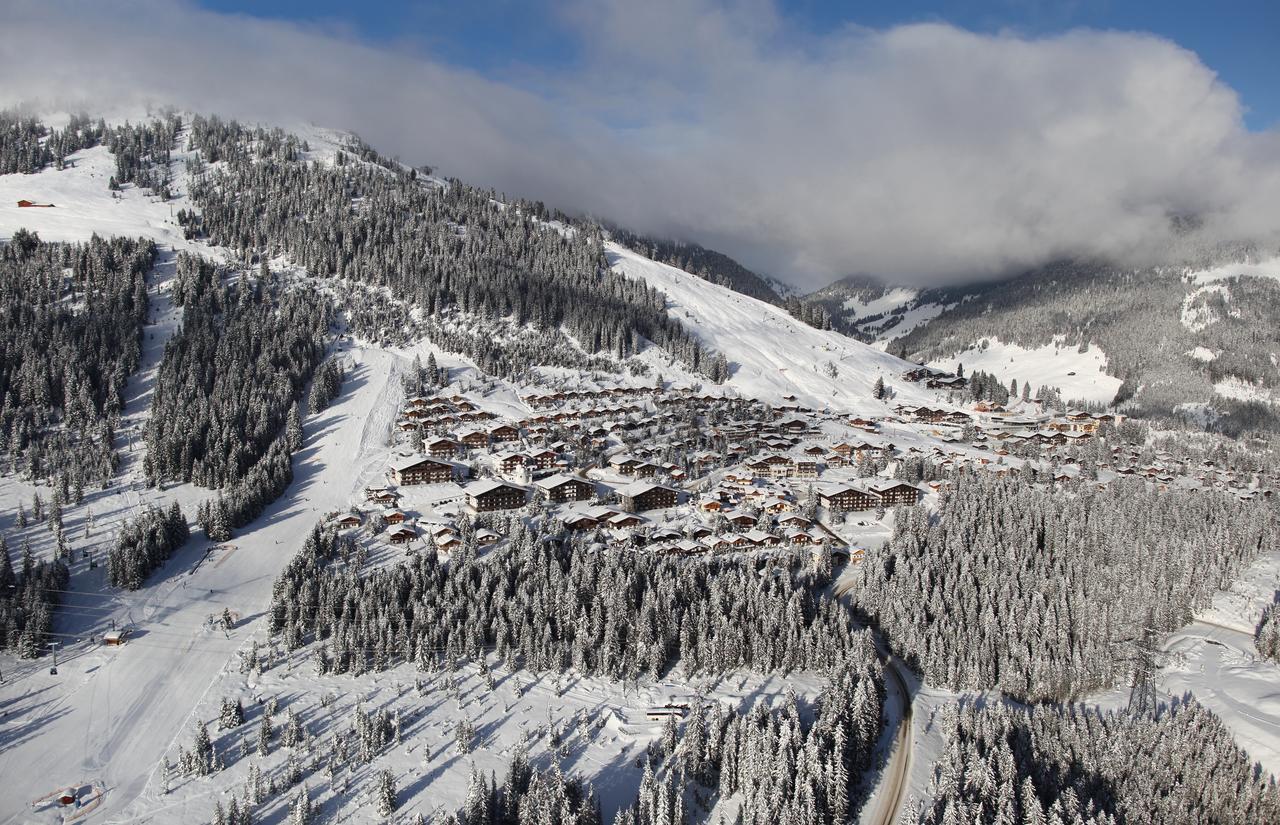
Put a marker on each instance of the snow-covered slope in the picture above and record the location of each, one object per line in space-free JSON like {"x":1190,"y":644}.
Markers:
{"x":1080,"y":376}
{"x":771,"y":354}
{"x":1269,"y":268}
{"x":83,"y":205}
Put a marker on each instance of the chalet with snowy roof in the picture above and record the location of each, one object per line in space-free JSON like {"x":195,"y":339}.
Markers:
{"x":348,"y":521}
{"x":504,"y":432}
{"x":580,"y":521}
{"x":421,"y":471}
{"x":642,"y":495}
{"x":759,"y":538}
{"x":562,"y":487}
{"x":848,"y":498}
{"x":805,"y":470}
{"x":794,"y":426}
{"x":623,"y":463}
{"x":624,"y":521}
{"x":492,"y":494}
{"x":402,"y":535}
{"x":441,"y":447}
{"x":474,"y":439}
{"x":895,"y":493}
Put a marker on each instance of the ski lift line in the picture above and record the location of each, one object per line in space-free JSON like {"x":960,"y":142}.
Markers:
{"x":142,"y":642}
{"x":114,"y":596}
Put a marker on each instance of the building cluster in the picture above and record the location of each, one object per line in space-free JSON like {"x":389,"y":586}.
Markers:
{"x":686,"y":472}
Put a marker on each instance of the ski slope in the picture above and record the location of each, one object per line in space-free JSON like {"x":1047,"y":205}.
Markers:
{"x":111,"y":713}
{"x":772,"y":355}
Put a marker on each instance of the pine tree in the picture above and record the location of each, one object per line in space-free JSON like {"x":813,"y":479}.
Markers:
{"x":202,"y":751}
{"x":293,"y":429}
{"x":300,"y":814}
{"x":232,"y":714}
{"x":264,"y":735}
{"x":386,"y":794}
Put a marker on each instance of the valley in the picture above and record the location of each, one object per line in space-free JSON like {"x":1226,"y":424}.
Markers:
{"x":484,"y":514}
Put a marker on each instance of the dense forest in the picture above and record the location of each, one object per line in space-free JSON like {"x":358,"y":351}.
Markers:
{"x":1267,"y":637}
{"x":28,"y":596}
{"x":144,"y":544}
{"x":1070,"y":765}
{"x":441,"y":246}
{"x":27,"y":145}
{"x":71,"y":317}
{"x":1050,"y":595}
{"x":230,"y":376}
{"x":547,"y":604}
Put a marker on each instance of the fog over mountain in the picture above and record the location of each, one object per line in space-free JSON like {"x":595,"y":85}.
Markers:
{"x":921,"y":153}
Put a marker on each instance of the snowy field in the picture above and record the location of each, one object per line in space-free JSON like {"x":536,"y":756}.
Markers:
{"x":1215,"y":658}
{"x":1081,"y":376}
{"x":1269,"y":268}
{"x":855,"y":309}
{"x":593,"y":728}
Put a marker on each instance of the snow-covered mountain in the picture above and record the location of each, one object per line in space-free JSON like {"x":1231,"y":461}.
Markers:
{"x":772,"y":355}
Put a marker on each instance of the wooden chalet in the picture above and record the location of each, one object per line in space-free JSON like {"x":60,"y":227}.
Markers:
{"x":490,"y":495}
{"x":441,"y":447}
{"x":847,"y":498}
{"x":561,"y":487}
{"x":421,"y":471}
{"x":402,"y":535}
{"x":475,"y":439}
{"x":643,"y":495}
{"x":581,"y":521}
{"x":894,"y":493}
{"x":504,"y":432}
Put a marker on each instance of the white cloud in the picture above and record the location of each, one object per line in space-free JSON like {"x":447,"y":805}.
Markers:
{"x":922,"y":153}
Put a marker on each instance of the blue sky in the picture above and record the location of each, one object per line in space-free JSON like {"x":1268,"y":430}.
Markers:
{"x":1240,"y":40}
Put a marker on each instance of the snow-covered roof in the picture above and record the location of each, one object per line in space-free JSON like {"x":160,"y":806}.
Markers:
{"x":637,"y":488}
{"x":479,"y":488}
{"x":551,"y":482}
{"x":408,"y":463}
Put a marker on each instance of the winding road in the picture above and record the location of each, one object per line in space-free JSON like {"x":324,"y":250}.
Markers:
{"x":885,"y":804}
{"x":886,"y":801}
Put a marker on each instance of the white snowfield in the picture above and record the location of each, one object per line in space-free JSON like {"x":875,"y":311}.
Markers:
{"x":1080,"y":376}
{"x":771,"y":354}
{"x":856,"y":308}
{"x":83,"y":205}
{"x":1269,"y":268}
{"x":1216,"y":659}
